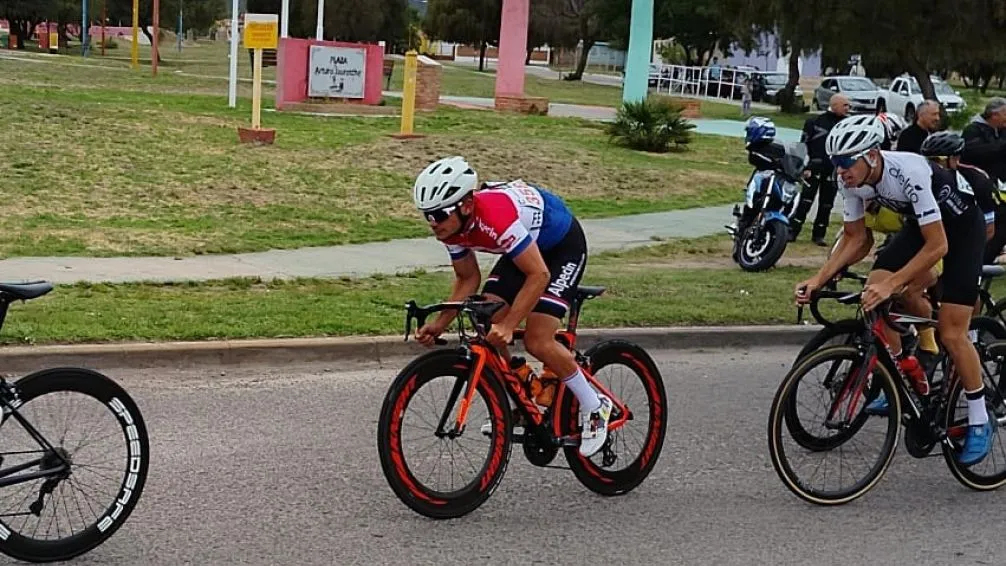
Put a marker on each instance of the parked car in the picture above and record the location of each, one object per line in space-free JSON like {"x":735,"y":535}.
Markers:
{"x":862,"y":93}
{"x":905,"y":95}
{"x":768,"y":84}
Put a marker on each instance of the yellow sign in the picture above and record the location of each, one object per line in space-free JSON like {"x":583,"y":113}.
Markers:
{"x":261,"y":31}
{"x":54,"y":40}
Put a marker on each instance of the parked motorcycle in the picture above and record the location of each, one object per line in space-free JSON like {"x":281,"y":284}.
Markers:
{"x":761,"y":230}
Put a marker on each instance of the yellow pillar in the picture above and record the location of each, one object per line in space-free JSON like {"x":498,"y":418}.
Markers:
{"x":136,"y":34}
{"x":409,"y":93}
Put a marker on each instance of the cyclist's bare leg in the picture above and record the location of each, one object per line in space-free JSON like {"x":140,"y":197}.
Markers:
{"x":912,"y":298}
{"x":916,"y":290}
{"x":594,"y":408}
{"x":953,"y":325}
{"x":540,"y":342}
{"x":500,"y":314}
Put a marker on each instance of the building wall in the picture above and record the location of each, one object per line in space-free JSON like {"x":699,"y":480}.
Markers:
{"x":766,"y":58}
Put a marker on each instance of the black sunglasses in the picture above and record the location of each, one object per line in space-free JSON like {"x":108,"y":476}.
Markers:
{"x":440,"y":215}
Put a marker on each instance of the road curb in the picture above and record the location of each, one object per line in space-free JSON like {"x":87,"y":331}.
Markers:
{"x":358,"y":349}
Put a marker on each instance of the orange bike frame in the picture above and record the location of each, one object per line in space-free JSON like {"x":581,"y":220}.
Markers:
{"x":485,"y":355}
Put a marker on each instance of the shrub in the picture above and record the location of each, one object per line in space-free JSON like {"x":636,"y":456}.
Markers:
{"x":650,"y":125}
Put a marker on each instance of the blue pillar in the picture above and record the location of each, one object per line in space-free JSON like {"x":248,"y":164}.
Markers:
{"x":637,"y":63}
{"x":84,"y":28}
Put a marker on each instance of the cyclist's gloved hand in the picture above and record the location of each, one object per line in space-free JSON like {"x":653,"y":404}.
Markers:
{"x":429,"y":332}
{"x":500,"y":335}
{"x":805,"y":289}
{"x":875,"y":294}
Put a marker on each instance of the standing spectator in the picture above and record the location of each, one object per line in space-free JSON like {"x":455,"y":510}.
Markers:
{"x":821,"y":181}
{"x":927,"y":121}
{"x":985,"y":148}
{"x":746,"y":96}
{"x":713,"y":83}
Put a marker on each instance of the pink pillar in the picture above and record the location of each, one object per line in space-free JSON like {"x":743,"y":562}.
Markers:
{"x":513,"y":48}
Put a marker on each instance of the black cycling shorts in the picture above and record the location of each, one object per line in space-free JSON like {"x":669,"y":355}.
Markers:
{"x":565,"y":260}
{"x":962,"y":266}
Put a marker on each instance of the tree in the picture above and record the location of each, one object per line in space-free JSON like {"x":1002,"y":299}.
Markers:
{"x":545,"y":28}
{"x":25,"y":15}
{"x":586,"y":22}
{"x":345,"y":20}
{"x":197,"y":14}
{"x":699,"y":28}
{"x":471,"y":22}
{"x":801,"y":27}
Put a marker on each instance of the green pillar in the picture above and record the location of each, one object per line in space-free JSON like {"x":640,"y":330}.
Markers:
{"x":637,"y":62}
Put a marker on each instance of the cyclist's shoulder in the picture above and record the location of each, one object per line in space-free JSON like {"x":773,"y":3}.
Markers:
{"x":905,"y":169}
{"x":974,"y":175}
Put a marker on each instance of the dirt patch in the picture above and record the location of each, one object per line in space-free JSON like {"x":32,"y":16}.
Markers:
{"x":570,"y":170}
{"x":343,"y":109}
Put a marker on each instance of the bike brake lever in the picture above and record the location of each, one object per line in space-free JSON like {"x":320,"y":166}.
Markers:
{"x":410,"y":308}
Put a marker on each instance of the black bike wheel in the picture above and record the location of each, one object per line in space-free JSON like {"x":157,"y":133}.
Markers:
{"x":629,"y":373}
{"x":442,"y":374}
{"x":998,"y":312}
{"x":847,"y":409}
{"x":99,"y":517}
{"x":990,"y":473}
{"x":839,"y":333}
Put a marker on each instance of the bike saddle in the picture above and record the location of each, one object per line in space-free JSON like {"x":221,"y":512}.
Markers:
{"x":586,"y":292}
{"x":485,"y":310}
{"x":24,"y":291}
{"x":992,"y":271}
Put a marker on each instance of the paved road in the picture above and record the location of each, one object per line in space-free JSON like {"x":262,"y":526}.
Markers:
{"x":262,"y":466}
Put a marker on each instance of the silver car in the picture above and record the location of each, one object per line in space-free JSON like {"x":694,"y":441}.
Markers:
{"x":862,"y":93}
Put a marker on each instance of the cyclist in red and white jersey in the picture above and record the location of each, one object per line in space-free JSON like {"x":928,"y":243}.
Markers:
{"x":544,"y":252}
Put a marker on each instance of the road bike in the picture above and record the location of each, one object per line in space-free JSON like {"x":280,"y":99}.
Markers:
{"x":850,"y":377}
{"x":442,"y":468}
{"x":47,"y":469}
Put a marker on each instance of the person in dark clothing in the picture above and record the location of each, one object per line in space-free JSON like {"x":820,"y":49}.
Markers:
{"x":821,"y":182}
{"x":985,"y":148}
{"x":927,"y":121}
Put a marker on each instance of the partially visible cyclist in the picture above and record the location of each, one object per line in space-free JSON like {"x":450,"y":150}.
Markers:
{"x":943,"y":221}
{"x":544,"y":253}
{"x":946,"y":148}
{"x":893,"y":126}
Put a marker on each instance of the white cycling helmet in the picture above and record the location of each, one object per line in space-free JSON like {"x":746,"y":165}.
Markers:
{"x":854,"y":135}
{"x":443,"y":183}
{"x":893,"y":125}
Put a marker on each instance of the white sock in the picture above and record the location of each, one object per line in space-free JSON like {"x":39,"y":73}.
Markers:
{"x":977,"y":415}
{"x":585,"y":394}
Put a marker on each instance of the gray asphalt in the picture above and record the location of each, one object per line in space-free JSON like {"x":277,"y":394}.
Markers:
{"x":279,"y":466}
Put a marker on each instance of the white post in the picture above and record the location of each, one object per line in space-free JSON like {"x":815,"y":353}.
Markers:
{"x":232,"y":98}
{"x":321,"y":20}
{"x":284,"y":18}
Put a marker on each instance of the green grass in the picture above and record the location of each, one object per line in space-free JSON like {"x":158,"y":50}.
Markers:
{"x":678,"y":282}
{"x":100,"y":160}
{"x":465,"y":81}
{"x":639,"y":296}
{"x":725,"y":111}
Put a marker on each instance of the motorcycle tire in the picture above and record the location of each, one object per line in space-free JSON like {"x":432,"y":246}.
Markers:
{"x":761,"y":253}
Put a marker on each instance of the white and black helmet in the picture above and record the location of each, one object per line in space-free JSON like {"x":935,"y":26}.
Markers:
{"x":893,"y":125}
{"x":443,"y":183}
{"x":854,"y":135}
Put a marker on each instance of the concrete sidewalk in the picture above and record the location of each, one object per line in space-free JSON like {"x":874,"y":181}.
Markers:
{"x":717,"y":127}
{"x":353,"y":260}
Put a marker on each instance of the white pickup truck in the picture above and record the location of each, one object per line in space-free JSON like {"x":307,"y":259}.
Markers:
{"x":903,"y":96}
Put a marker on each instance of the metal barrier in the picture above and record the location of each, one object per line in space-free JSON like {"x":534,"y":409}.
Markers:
{"x":695,"y":81}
